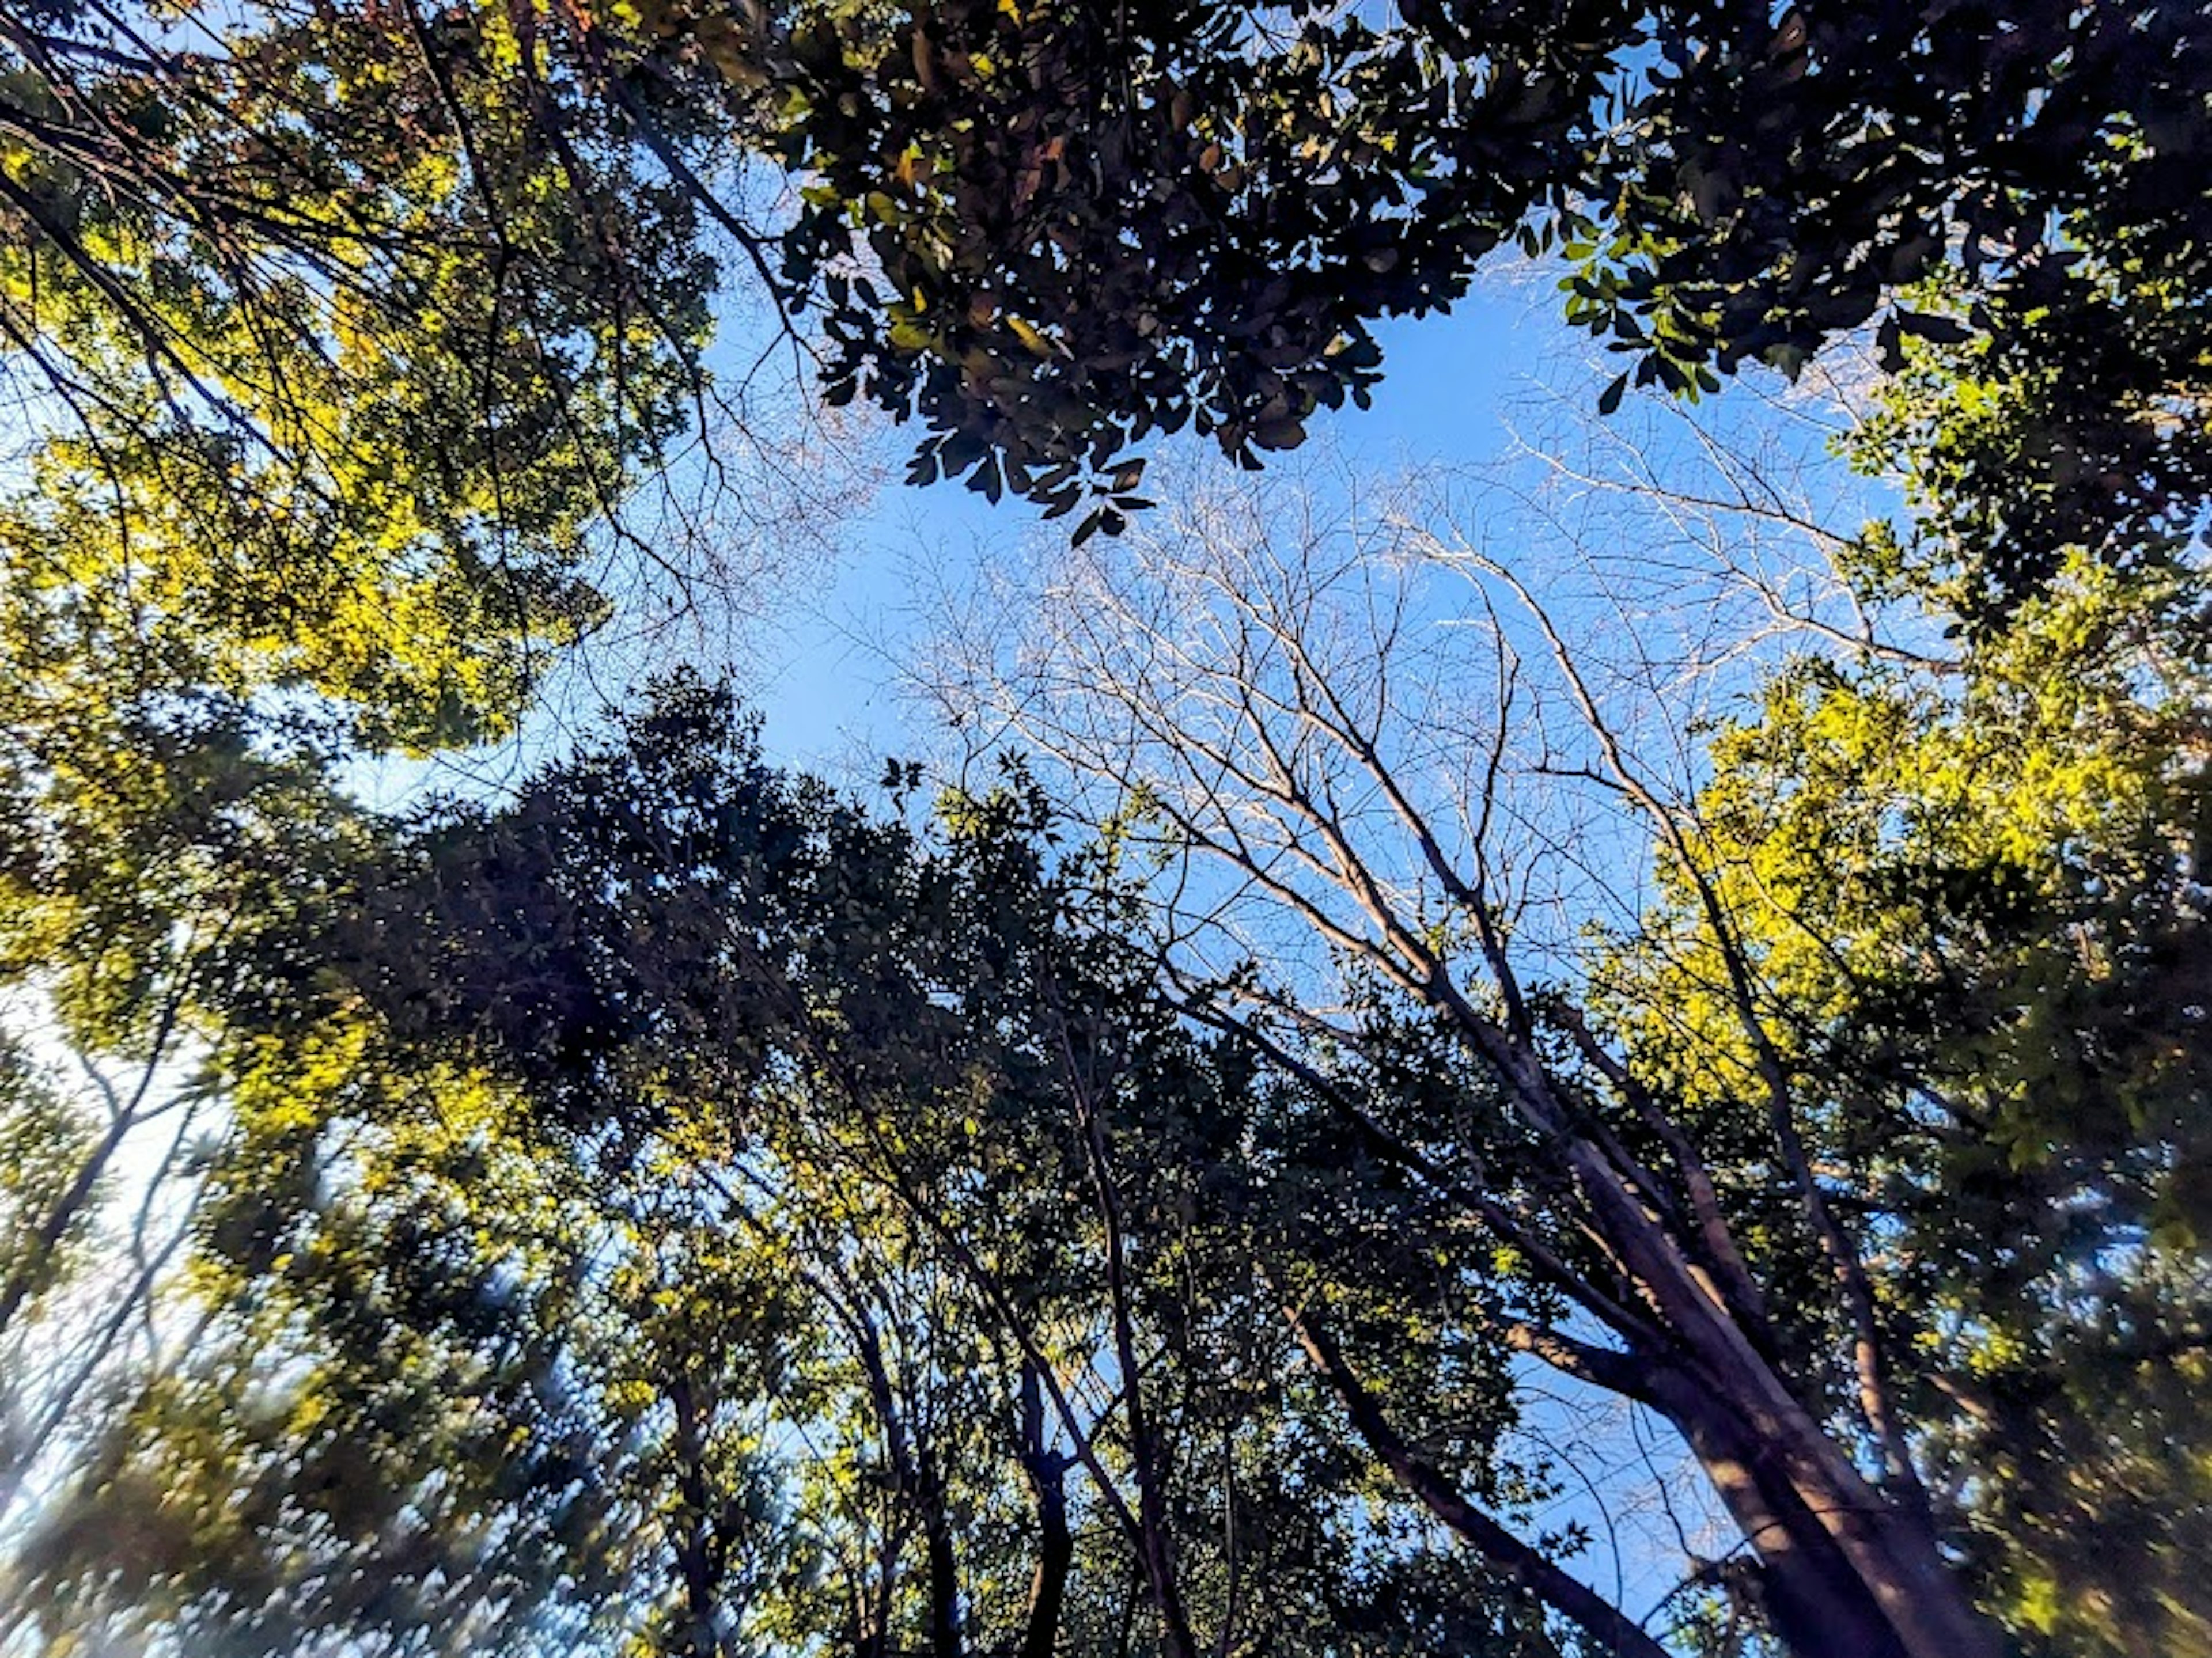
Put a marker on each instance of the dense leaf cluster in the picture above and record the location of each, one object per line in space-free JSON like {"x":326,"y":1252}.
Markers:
{"x":1049,"y":231}
{"x":677,"y":1207}
{"x":426,"y":290}
{"x":338,"y":328}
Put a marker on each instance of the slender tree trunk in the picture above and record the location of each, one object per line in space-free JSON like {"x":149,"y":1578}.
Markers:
{"x":71,"y":1205}
{"x":1049,"y":1589}
{"x":693,"y":1543}
{"x":1047,"y":1472}
{"x":1607,"y":1629}
{"x":944,"y":1564}
{"x":1158,"y":1537}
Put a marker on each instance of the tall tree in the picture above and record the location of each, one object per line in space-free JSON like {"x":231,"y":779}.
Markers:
{"x":1708,"y":1149}
{"x":1976,"y":904}
{"x":843,"y":1232}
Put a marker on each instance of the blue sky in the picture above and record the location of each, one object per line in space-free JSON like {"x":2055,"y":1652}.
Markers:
{"x":1457,"y":389}
{"x":824,"y":680}
{"x":820,"y":678}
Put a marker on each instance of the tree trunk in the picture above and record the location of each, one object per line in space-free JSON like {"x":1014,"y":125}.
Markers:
{"x":1606,"y":1629}
{"x":1055,"y":1555}
{"x":1815,"y":1600}
{"x":694,"y":1542}
{"x":37,"y":1254}
{"x":1814,"y":1497}
{"x":1047,"y":1476}
{"x":944,"y":1566}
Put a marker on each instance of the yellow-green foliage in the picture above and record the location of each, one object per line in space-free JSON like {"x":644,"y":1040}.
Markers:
{"x":1973,"y":903}
{"x":331,"y":358}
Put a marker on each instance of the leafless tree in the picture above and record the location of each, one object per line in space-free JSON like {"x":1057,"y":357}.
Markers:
{"x":1377,"y":745}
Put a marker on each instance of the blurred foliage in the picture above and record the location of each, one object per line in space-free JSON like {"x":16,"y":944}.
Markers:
{"x":651,"y":1206}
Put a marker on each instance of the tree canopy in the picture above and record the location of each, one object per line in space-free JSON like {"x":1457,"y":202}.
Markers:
{"x":440,"y":281}
{"x":1078,"y":225}
{"x":679,"y":1204}
{"x":1392,"y":1065}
